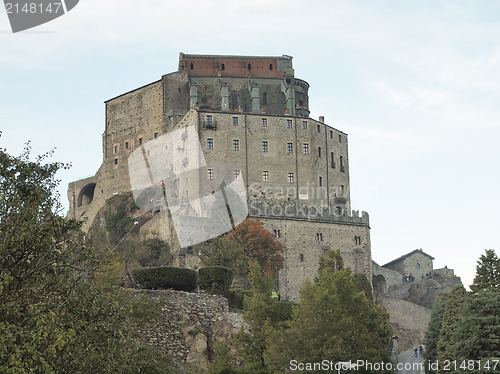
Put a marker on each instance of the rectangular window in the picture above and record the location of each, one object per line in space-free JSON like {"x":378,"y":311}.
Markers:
{"x":116,"y":161}
{"x":265,"y":176}
{"x":305,"y":147}
{"x":320,"y":181}
{"x":290,"y":177}
{"x":289,"y":123}
{"x":264,"y":122}
{"x":140,"y":141}
{"x":341,"y":164}
{"x":210,"y":174}
{"x":277,"y":234}
{"x":331,"y":134}
{"x":264,"y":146}
{"x":237,"y":175}
{"x":236,"y":145}
{"x":210,"y":143}
{"x":289,"y":148}
{"x":235,"y":121}
{"x":332,"y":159}
{"x":341,"y":190}
{"x":304,"y":125}
{"x":340,"y":138}
{"x":319,"y":128}
{"x":126,"y":145}
{"x":319,"y":151}
{"x":116,"y":149}
{"x":209,"y":121}
{"x":156,"y":135}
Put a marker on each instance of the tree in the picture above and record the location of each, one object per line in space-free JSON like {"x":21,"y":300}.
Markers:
{"x":451,"y":316}
{"x":53,"y":317}
{"x":259,"y":244}
{"x":224,"y":252}
{"x":334,"y":320}
{"x":487,"y":272}
{"x":434,"y":328}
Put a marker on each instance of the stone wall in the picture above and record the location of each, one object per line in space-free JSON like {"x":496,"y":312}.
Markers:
{"x":191,"y":324}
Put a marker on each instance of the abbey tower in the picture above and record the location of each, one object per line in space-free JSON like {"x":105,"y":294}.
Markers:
{"x":251,"y":113}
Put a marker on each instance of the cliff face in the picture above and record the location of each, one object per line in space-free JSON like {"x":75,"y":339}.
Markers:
{"x":191,"y":325}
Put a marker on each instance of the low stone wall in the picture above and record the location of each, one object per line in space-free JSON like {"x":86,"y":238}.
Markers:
{"x":191,"y":324}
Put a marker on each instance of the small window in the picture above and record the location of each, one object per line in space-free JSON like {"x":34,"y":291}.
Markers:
{"x":265,"y":176}
{"x":289,"y":123}
{"x":236,"y":145}
{"x":209,"y":121}
{"x":249,"y":66}
{"x":341,"y":164}
{"x":237,"y":175}
{"x":319,"y":237}
{"x":319,"y":128}
{"x":140,"y":141}
{"x":126,"y":145}
{"x":264,"y":99}
{"x":264,"y":122}
{"x":301,"y":257}
{"x":116,"y":161}
{"x":331,"y":134}
{"x":341,"y":190}
{"x":332,"y":160}
{"x":264,"y":146}
{"x":235,"y":121}
{"x":320,"y":181}
{"x":418,"y":266}
{"x":270,"y":66}
{"x":319,"y":151}
{"x":191,"y":66}
{"x":210,"y":143}
{"x":116,"y":149}
{"x":211,"y":174}
{"x":277,"y":234}
{"x":289,"y":148}
{"x":340,"y":138}
{"x":305,"y":147}
{"x":304,"y":125}
{"x":156,"y":135}
{"x":223,"y":67}
{"x":290,"y":177}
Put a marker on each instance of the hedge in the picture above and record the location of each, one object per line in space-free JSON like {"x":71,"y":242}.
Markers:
{"x":236,"y":298}
{"x":165,"y":277}
{"x":215,"y":279}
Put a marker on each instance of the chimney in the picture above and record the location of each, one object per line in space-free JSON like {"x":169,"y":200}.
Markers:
{"x":322,"y":119}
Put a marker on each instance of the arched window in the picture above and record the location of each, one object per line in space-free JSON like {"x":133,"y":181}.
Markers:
{"x":234,"y":100}
{"x":191,"y":66}
{"x":270,"y":66}
{"x":223,"y":67}
{"x":249,"y":66}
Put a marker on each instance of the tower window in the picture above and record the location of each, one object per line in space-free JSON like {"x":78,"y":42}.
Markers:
{"x":249,"y":66}
{"x":264,"y":122}
{"x":319,"y":128}
{"x":126,"y":145}
{"x":319,"y":151}
{"x":235,"y":121}
{"x":264,"y":99}
{"x":237,"y":175}
{"x":116,"y":149}
{"x":209,"y":121}
{"x":331,"y":134}
{"x":332,"y":159}
{"x":265,"y":147}
{"x":305,"y":147}
{"x":223,"y":67}
{"x":236,"y":145}
{"x":270,"y":66}
{"x":116,"y":161}
{"x":277,"y":234}
{"x":304,"y":125}
{"x":265,"y":176}
{"x":191,"y":66}
{"x":156,"y":135}
{"x":290,"y":177}
{"x":140,"y":141}
{"x":341,"y":164}
{"x":341,"y":190}
{"x":319,"y":237}
{"x":289,"y":148}
{"x":211,"y":174}
{"x":301,"y":257}
{"x":289,"y":123}
{"x":210,"y":143}
{"x":320,"y":181}
{"x":340,"y":138}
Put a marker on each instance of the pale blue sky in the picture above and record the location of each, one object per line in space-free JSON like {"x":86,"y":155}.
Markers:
{"x":415,"y":85}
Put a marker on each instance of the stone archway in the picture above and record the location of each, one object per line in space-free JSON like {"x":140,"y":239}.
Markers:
{"x":86,"y":195}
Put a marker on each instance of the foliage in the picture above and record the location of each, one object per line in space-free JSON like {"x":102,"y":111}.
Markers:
{"x":477,"y":335}
{"x":215,"y":279}
{"x":434,"y":328}
{"x":487,"y":272}
{"x":260,"y":245}
{"x":53,"y":317}
{"x":284,"y":310}
{"x":450,"y":322}
{"x":223,"y":362}
{"x":364,"y":285}
{"x":236,"y":298}
{"x":224,"y":252}
{"x":118,"y":222}
{"x":165,"y":277}
{"x":334,"y":320}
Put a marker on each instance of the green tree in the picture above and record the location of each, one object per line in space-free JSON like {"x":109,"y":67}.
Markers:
{"x":434,"y":328}
{"x":53,"y":317}
{"x":477,"y":335}
{"x":334,"y":320}
{"x":487,"y":272}
{"x":450,"y":322}
{"x":224,"y":252}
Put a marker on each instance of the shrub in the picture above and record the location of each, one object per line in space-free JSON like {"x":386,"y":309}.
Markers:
{"x":284,"y":310}
{"x":236,"y":298}
{"x":180,"y":279}
{"x":215,"y":279}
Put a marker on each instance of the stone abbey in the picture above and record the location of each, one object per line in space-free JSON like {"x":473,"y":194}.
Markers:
{"x":251,"y":113}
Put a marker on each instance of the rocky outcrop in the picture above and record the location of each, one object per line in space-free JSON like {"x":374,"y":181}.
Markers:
{"x":191,"y":324}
